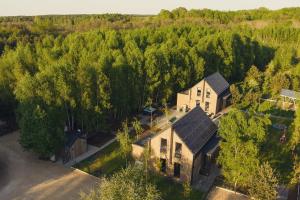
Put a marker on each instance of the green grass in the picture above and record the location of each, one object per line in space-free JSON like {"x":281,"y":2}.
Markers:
{"x":171,"y":190}
{"x":273,"y":109}
{"x":277,"y":154}
{"x":105,"y":162}
{"x":282,"y":113}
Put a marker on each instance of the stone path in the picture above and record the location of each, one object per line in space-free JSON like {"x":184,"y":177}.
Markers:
{"x":206,"y":182}
{"x":91,"y":151}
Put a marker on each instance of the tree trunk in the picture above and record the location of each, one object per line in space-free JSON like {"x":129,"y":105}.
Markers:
{"x":68,"y":116}
{"x":72,"y":120}
{"x":235,"y":184}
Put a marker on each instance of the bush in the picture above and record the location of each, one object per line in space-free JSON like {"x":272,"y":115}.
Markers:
{"x":265,"y":106}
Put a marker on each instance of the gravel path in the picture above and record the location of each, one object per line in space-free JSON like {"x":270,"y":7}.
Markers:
{"x":23,"y":176}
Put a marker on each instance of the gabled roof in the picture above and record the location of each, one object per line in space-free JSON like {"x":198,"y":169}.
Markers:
{"x":71,"y":138}
{"x":211,"y":146}
{"x":217,"y":82}
{"x":195,"y":129}
{"x":290,"y":94}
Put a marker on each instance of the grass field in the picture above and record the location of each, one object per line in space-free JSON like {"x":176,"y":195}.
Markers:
{"x":171,"y":190}
{"x":276,"y":153}
{"x":105,"y":162}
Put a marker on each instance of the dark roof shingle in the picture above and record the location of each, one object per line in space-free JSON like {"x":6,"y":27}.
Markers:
{"x":195,"y":129}
{"x":217,"y":82}
{"x":290,"y":93}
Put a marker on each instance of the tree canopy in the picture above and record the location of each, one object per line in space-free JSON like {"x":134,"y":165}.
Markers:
{"x":128,"y":184}
{"x":93,"y":70}
{"x":242,"y":134}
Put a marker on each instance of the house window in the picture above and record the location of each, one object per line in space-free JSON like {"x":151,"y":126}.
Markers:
{"x":206,"y":106}
{"x":163,"y":165}
{"x":178,"y":147}
{"x":207,"y":93}
{"x":197,"y":102}
{"x":177,"y":170}
{"x":163,"y":145}
{"x":198,"y":92}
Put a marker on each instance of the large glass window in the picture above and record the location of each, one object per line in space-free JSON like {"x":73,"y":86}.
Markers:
{"x":163,"y":145}
{"x":206,"y":106}
{"x":178,"y":148}
{"x":198,"y":92}
{"x":177,"y":170}
{"x":208,"y":93}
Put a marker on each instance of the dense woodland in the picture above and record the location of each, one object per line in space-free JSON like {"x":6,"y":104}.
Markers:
{"x":89,"y":71}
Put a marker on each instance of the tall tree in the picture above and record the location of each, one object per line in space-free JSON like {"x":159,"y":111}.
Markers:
{"x":295,"y":139}
{"x":241,"y":135}
{"x":128,"y":184}
{"x":296,"y":171}
{"x":138,"y":129}
{"x":124,"y":140}
{"x":41,"y":129}
{"x":264,"y":183}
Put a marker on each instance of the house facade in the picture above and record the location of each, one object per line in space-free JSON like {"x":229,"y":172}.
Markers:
{"x":181,"y":149}
{"x":211,"y":94}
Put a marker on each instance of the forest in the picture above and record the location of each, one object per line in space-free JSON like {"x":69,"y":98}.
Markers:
{"x":90,"y":71}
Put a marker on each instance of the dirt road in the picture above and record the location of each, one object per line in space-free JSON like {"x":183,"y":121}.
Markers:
{"x":23,"y":176}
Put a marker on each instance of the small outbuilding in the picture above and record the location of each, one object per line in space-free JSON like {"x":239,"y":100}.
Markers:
{"x":75,"y":145}
{"x":290,"y":95}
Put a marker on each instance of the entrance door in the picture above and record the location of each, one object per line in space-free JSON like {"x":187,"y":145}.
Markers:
{"x":177,"y":170}
{"x":163,"y":166}
{"x":224,"y":104}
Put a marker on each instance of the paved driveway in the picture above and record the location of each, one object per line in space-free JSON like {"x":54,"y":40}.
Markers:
{"x":23,"y":176}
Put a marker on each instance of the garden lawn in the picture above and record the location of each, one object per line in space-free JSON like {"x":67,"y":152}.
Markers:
{"x":275,"y":109}
{"x":277,"y":154}
{"x":105,"y":162}
{"x":171,"y":190}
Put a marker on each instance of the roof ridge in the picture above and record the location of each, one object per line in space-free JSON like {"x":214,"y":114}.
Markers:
{"x":195,"y":129}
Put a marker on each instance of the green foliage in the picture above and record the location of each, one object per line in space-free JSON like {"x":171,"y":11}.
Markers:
{"x":254,"y":78}
{"x":106,"y":162}
{"x":264,"y":183}
{"x":124,"y":140}
{"x":94,"y":68}
{"x":128,"y":184}
{"x":295,"y":139}
{"x":171,"y":190}
{"x":187,"y":189}
{"x":279,"y":82}
{"x":236,"y":95}
{"x":296,"y":171}
{"x":277,"y":154}
{"x":39,"y":130}
{"x":265,"y":106}
{"x":242,"y":135}
{"x":138,"y":129}
{"x":250,"y":91}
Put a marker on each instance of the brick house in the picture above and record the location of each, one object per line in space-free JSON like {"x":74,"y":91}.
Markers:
{"x":183,"y":149}
{"x":212,"y":94}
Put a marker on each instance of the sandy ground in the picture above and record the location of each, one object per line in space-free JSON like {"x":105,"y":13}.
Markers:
{"x":23,"y":176}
